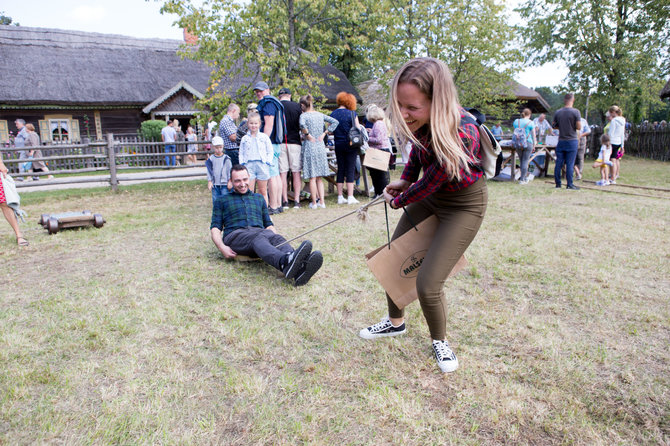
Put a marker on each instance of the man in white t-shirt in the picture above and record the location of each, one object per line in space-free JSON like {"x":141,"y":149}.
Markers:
{"x":169,"y":135}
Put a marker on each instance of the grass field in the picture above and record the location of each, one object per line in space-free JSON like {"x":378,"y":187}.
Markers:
{"x":141,"y":333}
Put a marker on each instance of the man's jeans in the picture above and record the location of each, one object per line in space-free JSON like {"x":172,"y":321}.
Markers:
{"x":566,"y":152}
{"x":170,"y":160}
{"x":259,"y":242}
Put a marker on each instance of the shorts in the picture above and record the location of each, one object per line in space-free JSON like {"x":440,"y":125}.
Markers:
{"x":616,"y":154}
{"x":274,"y":168}
{"x":290,"y":158}
{"x":258,"y":170}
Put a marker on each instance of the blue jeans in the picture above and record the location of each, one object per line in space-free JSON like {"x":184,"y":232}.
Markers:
{"x":219,"y":191}
{"x":170,"y":160}
{"x":566,"y":153}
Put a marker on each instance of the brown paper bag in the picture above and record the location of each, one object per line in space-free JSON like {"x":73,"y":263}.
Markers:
{"x":396,"y":268}
{"x":377,"y":159}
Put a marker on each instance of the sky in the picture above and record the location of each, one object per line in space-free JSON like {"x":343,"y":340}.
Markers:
{"x":141,"y":18}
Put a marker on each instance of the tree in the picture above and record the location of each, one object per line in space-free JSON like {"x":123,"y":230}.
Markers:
{"x":612,"y":47}
{"x":471,"y":36}
{"x":5,"y":19}
{"x":276,"y":40}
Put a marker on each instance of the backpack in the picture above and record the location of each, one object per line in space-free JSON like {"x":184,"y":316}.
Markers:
{"x":489,"y":146}
{"x":519,"y":136}
{"x":355,"y":134}
{"x":280,"y":120}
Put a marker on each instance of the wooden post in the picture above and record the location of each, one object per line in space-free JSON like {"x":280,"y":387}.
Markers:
{"x":111,"y":160}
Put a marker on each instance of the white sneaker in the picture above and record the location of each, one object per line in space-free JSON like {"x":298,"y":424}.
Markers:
{"x":351,"y":200}
{"x":341,"y":200}
{"x":322,"y":205}
{"x":446,"y":359}
{"x":313,"y":206}
{"x":382,"y":329}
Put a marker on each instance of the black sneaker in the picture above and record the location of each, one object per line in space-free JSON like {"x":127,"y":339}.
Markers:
{"x":446,"y":359}
{"x":296,"y":205}
{"x":309,"y":268}
{"x":382,"y":329}
{"x":573,"y":187}
{"x":295,"y":259}
{"x":284,"y":205}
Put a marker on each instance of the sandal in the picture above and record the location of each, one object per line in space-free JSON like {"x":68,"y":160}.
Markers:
{"x":21,"y":241}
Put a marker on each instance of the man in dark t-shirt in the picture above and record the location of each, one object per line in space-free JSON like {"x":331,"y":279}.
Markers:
{"x":568,"y":122}
{"x":290,"y":158}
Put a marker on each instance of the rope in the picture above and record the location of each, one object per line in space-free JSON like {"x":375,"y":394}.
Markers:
{"x":361,"y":209}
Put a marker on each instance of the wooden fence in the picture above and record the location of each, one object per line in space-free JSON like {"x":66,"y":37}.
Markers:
{"x":652,"y":144}
{"x":113,"y":156}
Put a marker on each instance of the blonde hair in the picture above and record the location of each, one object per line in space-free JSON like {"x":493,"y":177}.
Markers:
{"x":605,"y":139}
{"x":433,"y":78}
{"x":30,"y":127}
{"x":615,"y":110}
{"x":374,"y":113}
{"x":254,"y":114}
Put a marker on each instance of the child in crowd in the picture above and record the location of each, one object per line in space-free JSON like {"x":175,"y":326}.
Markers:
{"x":256,"y":154}
{"x":603,"y":160}
{"x":218,"y":170}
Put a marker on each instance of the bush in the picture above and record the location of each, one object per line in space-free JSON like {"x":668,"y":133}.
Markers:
{"x":151,"y":130}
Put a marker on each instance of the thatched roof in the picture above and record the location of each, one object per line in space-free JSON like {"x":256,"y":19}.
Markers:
{"x":374,"y":93}
{"x":59,"y":67}
{"x":665,"y":93}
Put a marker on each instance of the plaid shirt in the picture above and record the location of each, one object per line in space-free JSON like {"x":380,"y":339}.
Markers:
{"x":227,"y":128}
{"x":435,"y":178}
{"x":236,"y":211}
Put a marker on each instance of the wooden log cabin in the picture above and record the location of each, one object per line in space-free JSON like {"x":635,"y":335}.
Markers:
{"x":72,"y":85}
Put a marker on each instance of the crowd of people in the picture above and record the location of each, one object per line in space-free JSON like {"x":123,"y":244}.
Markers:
{"x":283,"y":143}
{"x":572,"y":132}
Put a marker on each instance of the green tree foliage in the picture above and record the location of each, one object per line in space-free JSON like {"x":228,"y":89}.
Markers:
{"x":5,"y":19}
{"x":613,"y":48}
{"x":151,"y":130}
{"x":471,"y":36}
{"x":552,"y":96}
{"x":276,"y":40}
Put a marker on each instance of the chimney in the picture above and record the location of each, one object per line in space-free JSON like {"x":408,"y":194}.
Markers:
{"x":189,"y":38}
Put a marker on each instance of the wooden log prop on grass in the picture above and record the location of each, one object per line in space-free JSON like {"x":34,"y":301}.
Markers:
{"x":66,"y":220}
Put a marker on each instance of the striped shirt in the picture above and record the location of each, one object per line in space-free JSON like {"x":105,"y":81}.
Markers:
{"x":435,"y":178}
{"x":236,"y":211}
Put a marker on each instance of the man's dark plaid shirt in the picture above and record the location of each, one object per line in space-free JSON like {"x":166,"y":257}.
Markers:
{"x":235,"y":211}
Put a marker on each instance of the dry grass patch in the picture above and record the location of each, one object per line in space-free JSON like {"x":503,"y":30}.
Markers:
{"x":140,"y":333}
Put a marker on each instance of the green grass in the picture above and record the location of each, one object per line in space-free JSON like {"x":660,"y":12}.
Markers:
{"x":141,"y":333}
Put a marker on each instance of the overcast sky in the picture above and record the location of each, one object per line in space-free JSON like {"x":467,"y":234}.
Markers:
{"x":140,"y":18}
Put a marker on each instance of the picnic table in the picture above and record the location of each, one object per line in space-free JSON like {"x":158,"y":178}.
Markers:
{"x":540,"y":149}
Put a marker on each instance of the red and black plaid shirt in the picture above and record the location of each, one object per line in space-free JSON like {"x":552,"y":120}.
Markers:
{"x":435,"y":178}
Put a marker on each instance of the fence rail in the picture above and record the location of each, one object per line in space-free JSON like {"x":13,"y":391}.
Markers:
{"x":113,"y":156}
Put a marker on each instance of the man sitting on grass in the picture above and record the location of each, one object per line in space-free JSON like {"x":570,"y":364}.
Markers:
{"x":243,"y":217}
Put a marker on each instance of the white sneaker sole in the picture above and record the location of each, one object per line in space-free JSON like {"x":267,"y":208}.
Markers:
{"x":365,"y":334}
{"x":448,"y":366}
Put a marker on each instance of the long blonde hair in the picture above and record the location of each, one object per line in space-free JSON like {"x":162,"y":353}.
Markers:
{"x":433,"y":78}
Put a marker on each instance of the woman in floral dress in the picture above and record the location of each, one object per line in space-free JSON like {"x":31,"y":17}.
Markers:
{"x":314,"y":159}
